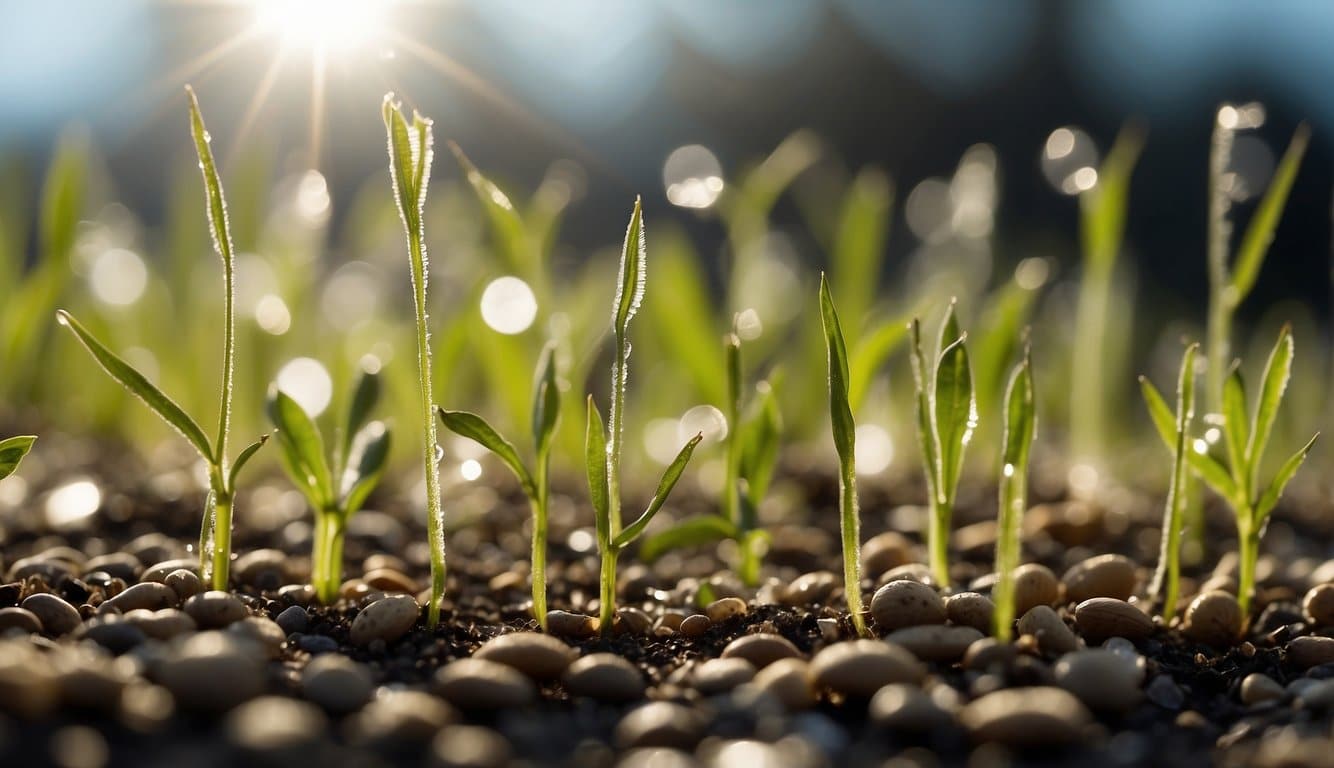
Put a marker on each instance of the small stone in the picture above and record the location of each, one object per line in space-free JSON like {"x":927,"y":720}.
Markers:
{"x":316,"y":643}
{"x":264,"y":569}
{"x":161,"y":625}
{"x":470,"y":746}
{"x":185,"y":583}
{"x":885,"y":551}
{"x":1052,"y":634}
{"x":761,"y":649}
{"x":1099,"y":618}
{"x":1213,"y":618}
{"x":660,"y":724}
{"x":148,"y":595}
{"x":631,"y":621}
{"x":1102,"y":679}
{"x":970,"y":609}
{"x":50,"y":569}
{"x":293,"y":618}
{"x":696,"y":625}
{"x":212,"y":672}
{"x":935,"y":642}
{"x":29,"y":687}
{"x":810,"y":589}
{"x":861,"y":667}
{"x":1318,"y":697}
{"x":904,"y":707}
{"x":20,"y":619}
{"x":387,"y":619}
{"x":113,"y":634}
{"x":1101,"y":576}
{"x":396,"y":718}
{"x":478,"y":684}
{"x":541,"y":657}
{"x":721,"y":610}
{"x":337,"y":683}
{"x":158,"y":572}
{"x":1258,"y":687}
{"x":275,"y":726}
{"x":988,"y":654}
{"x":263,"y":632}
{"x":388,"y":580}
{"x":788,"y":681}
{"x":1165,"y":692}
{"x":57,"y":616}
{"x":906,"y":603}
{"x":1310,"y":651}
{"x":1026,"y":717}
{"x":1318,"y":605}
{"x":829,"y":631}
{"x":566,"y":624}
{"x":297,"y":594}
{"x":722,"y":675}
{"x":121,"y":565}
{"x":1034,"y":585}
{"x":604,"y":676}
{"x":215,"y":609}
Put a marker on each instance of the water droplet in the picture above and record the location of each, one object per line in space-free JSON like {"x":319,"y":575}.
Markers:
{"x":693,"y":177}
{"x":747,"y":325}
{"x":508,"y":305}
{"x":1008,"y":470}
{"x":439,"y":453}
{"x":307,"y":382}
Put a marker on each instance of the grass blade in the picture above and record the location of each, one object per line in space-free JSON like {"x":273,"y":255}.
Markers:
{"x":595,"y":463}
{"x":1016,"y":441}
{"x":956,"y":412}
{"x":12,"y":451}
{"x":244,"y":458}
{"x":1260,"y":231}
{"x":140,"y":387}
{"x":1236,"y":427}
{"x":665,"y":486}
{"x":1278,"y":370}
{"x":546,"y":401}
{"x":859,"y":247}
{"x":869,"y":354}
{"x":1272,"y":494}
{"x":365,"y":465}
{"x":1167,"y":575}
{"x":364,"y":397}
{"x":302,"y":442}
{"x":759,"y":442}
{"x":476,"y":428}
{"x":926,"y":428}
{"x":694,"y":532}
{"x":504,"y":218}
{"x":1210,"y":471}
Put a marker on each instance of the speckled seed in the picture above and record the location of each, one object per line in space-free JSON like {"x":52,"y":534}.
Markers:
{"x":158,"y":572}
{"x":1102,"y":679}
{"x":906,"y":604}
{"x":935,"y":642}
{"x":57,"y":616}
{"x":1213,"y":618}
{"x":211,"y":671}
{"x":1257,"y":687}
{"x":541,"y":657}
{"x":1311,"y":651}
{"x":761,"y":649}
{"x":1099,"y":618}
{"x":19,"y":618}
{"x":148,"y":595}
{"x":276,"y":726}
{"x":215,"y":609}
{"x":387,"y":619}
{"x":483,"y":685}
{"x":337,"y":683}
{"x":721,"y":675}
{"x":907,"y":708}
{"x":696,"y":625}
{"x":721,"y":610}
{"x":810,"y":588}
{"x":884,"y":551}
{"x":1034,"y":585}
{"x":470,"y":746}
{"x":1052,"y":633}
{"x":1101,"y":576}
{"x":1026,"y":717}
{"x":185,"y":583}
{"x":604,"y":676}
{"x":861,"y":667}
{"x":787,"y":680}
{"x":660,"y":724}
{"x":387,"y":580}
{"x":970,"y":609}
{"x":565,"y":624}
{"x":1318,"y":605}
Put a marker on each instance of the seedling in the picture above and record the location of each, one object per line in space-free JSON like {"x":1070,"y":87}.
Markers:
{"x":410,"y":171}
{"x":946,"y":418}
{"x":338,"y":486}
{"x":12,"y":451}
{"x":845,"y":438}
{"x":751,"y":447}
{"x":215,"y":537}
{"x":1166,"y":579}
{"x":1016,"y":443}
{"x":1238,"y":482}
{"x":602,"y":444}
{"x":536,"y":483}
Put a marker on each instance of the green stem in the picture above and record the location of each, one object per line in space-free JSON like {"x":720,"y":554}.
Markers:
{"x":1087,"y":378}
{"x":607,"y":601}
{"x":1248,"y":543}
{"x":319,"y":558}
{"x":1013,"y":492}
{"x":850,"y":527}
{"x":435,"y":517}
{"x":615,"y":422}
{"x":539,"y":504}
{"x":327,"y":558}
{"x":939,"y":540}
{"x":1221,"y":302}
{"x":222,"y":540}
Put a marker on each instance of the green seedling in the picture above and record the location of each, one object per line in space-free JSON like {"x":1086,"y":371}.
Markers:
{"x":410,"y":171}
{"x":1238,"y":482}
{"x":1016,"y":444}
{"x":946,"y":418}
{"x":12,"y":451}
{"x":845,"y":438}
{"x":536,"y":483}
{"x":602,"y":444}
{"x":215,"y":538}
{"x":1167,"y":577}
{"x":751,"y":448}
{"x":337,"y":486}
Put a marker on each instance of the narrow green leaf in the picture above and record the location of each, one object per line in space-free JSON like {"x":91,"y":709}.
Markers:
{"x":1236,"y":428}
{"x":869,"y":355}
{"x":732,"y":345}
{"x":139,"y":386}
{"x":500,"y":212}
{"x":12,"y":451}
{"x":859,"y":246}
{"x":681,"y":312}
{"x":1285,"y":474}
{"x":1260,"y":231}
{"x":956,"y":412}
{"x":595,"y":464}
{"x":365,"y":466}
{"x":242,"y":459}
{"x":1214,"y":474}
{"x":697,"y":531}
{"x":759,"y":437}
{"x":630,"y":282}
{"x":927,"y":437}
{"x":840,"y":410}
{"x":1020,"y":420}
{"x":1277,"y":372}
{"x":301,"y":440}
{"x":665,"y":486}
{"x":476,"y":428}
{"x":402,"y":166}
{"x":546,"y":401}
{"x":1103,"y":207}
{"x":364,"y":397}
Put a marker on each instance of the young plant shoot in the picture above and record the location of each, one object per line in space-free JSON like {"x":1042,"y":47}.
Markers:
{"x":12,"y":451}
{"x":1016,"y":443}
{"x":535,"y":483}
{"x":1245,"y":441}
{"x":410,"y":171}
{"x":1167,"y":577}
{"x":751,"y":448}
{"x":946,"y":417}
{"x":336,"y":487}
{"x":844,"y":429}
{"x":215,"y":537}
{"x":602,"y":444}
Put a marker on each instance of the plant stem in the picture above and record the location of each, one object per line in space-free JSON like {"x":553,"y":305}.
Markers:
{"x":1013,"y":492}
{"x":850,"y":527}
{"x":1248,"y":544}
{"x":539,"y":504}
{"x":607,"y":599}
{"x":614,"y":428}
{"x":435,"y":517}
{"x":1087,"y":377}
{"x":327,"y":560}
{"x":939,"y":541}
{"x":222,"y":540}
{"x":1222,"y":300}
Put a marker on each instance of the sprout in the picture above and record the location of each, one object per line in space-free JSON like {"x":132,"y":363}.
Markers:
{"x":1238,"y":482}
{"x":946,"y":417}
{"x":535,"y":483}
{"x":410,"y":172}
{"x":1016,"y":443}
{"x":1166,"y":579}
{"x":336,"y":488}
{"x":845,"y":434}
{"x":602,"y":444}
{"x":12,"y":451}
{"x":215,"y":536}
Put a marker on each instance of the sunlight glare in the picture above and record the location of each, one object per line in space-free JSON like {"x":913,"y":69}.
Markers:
{"x":321,"y":24}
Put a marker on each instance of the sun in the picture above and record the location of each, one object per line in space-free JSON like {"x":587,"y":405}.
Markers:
{"x":322,"y":24}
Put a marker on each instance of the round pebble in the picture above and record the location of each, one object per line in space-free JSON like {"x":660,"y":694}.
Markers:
{"x":1052,"y":634}
{"x":149,"y":595}
{"x":761,"y":649}
{"x":1034,"y":585}
{"x":337,"y":683}
{"x":215,"y":609}
{"x":1099,"y":618}
{"x":970,"y":609}
{"x":158,"y":572}
{"x":906,"y":603}
{"x":390,"y":580}
{"x":788,"y":681}
{"x":1026,"y":717}
{"x":722,"y":675}
{"x":1258,"y":687}
{"x":212,"y":671}
{"x":395,"y":718}
{"x":1101,"y":576}
{"x":483,"y":685}
{"x":265,"y":569}
{"x":276,"y":726}
{"x":935,"y":642}
{"x":604,"y":676}
{"x":293,"y":618}
{"x":811,"y":589}
{"x":696,"y":625}
{"x":907,"y":708}
{"x":387,"y":619}
{"x":1213,"y":618}
{"x":121,"y":565}
{"x":861,"y":667}
{"x":20,"y":619}
{"x":1318,"y":605}
{"x":161,"y":625}
{"x":56,"y":616}
{"x":566,"y":624}
{"x":470,"y":746}
{"x":541,"y":657}
{"x":660,"y":724}
{"x":1311,"y":651}
{"x":184,"y":582}
{"x":1102,"y":679}
{"x":723,"y":609}
{"x":884,"y":552}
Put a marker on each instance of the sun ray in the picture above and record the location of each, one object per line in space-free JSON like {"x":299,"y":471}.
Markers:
{"x":257,"y":101}
{"x":318,"y":68}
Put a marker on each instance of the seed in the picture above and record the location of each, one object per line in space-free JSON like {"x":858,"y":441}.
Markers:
{"x":1102,"y":679}
{"x":21,"y":619}
{"x":722,"y":675}
{"x":1257,"y":687}
{"x":1213,"y":618}
{"x":148,"y":595}
{"x":1052,"y":634}
{"x":479,"y":684}
{"x":566,"y":624}
{"x":56,"y":616}
{"x":861,"y":667}
{"x":387,"y":619}
{"x":1026,"y":717}
{"x":970,"y":609}
{"x":1099,"y":618}
{"x":1101,"y":576}
{"x":761,"y":649}
{"x":337,"y":683}
{"x":184,"y":582}
{"x":1311,"y":651}
{"x":1318,"y":605}
{"x":214,"y":609}
{"x":935,"y":642}
{"x":696,"y":625}
{"x":721,"y":610}
{"x":604,"y":676}
{"x":541,"y":657}
{"x":1034,"y":585}
{"x":810,"y":589}
{"x":906,"y":604}
{"x":787,"y":680}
